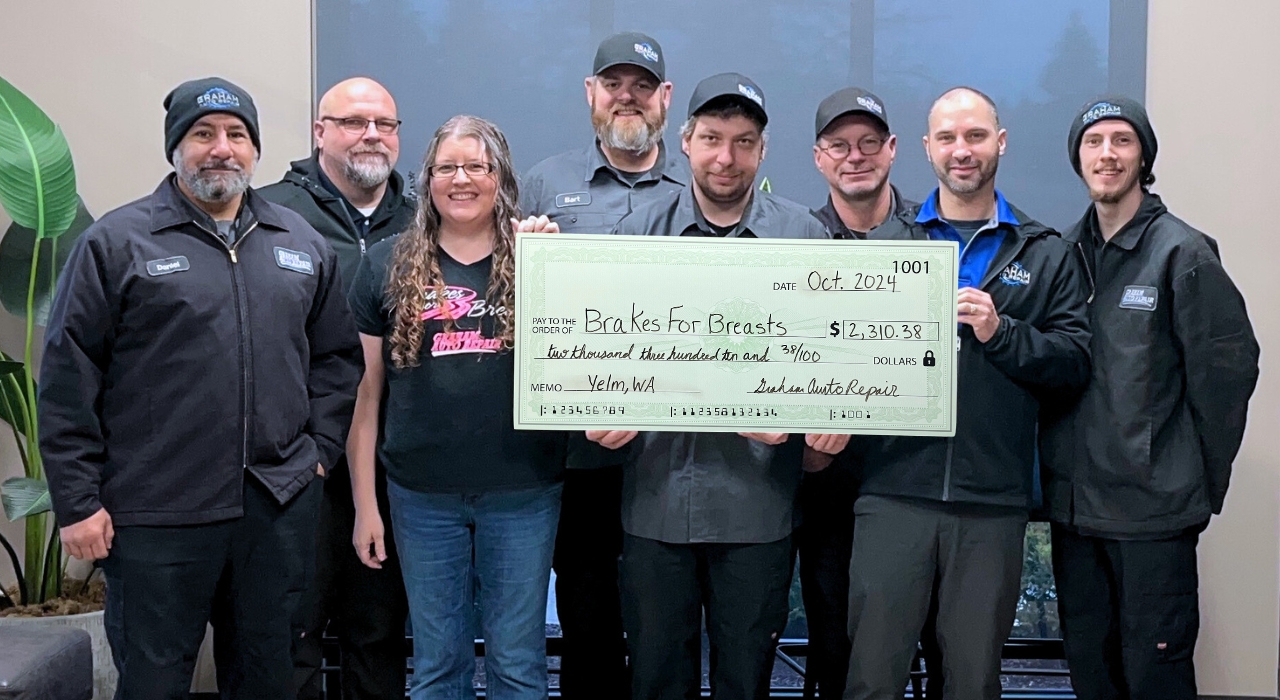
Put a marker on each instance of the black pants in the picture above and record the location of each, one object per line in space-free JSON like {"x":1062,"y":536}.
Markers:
{"x":905,"y":551}
{"x":365,"y":608}
{"x":1130,"y":613}
{"x":243,"y":575}
{"x":588,"y":544}
{"x":824,"y":542}
{"x":667,"y":589}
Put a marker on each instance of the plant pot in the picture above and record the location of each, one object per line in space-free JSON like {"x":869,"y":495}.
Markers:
{"x":104,"y":669}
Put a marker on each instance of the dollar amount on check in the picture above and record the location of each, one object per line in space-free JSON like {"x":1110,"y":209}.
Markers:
{"x":700,"y":334}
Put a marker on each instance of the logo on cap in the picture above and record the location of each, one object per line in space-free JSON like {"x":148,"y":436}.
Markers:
{"x":647,"y":52}
{"x":1102,"y":110}
{"x":217,"y":98}
{"x":870,"y":104}
{"x":751,"y":94}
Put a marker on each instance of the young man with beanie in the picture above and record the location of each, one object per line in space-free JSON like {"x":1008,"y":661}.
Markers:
{"x":1136,"y":468}
{"x":351,"y":193}
{"x":588,"y":190}
{"x":708,"y":516}
{"x":946,"y":517}
{"x":199,"y":373}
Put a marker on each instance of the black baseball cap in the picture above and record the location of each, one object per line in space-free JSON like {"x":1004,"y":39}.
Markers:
{"x":632,"y":48}
{"x":729,"y":86}
{"x":847,"y":101}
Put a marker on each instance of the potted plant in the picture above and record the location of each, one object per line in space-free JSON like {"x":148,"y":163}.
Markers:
{"x":37,"y":191}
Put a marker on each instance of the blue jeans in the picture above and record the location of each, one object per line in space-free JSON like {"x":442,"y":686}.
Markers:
{"x":497,"y":546}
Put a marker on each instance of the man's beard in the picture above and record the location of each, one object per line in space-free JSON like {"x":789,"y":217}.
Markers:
{"x":213,"y":188}
{"x":634,"y":138}
{"x":367,"y":173}
{"x":986,"y":173}
{"x":1116,"y":195}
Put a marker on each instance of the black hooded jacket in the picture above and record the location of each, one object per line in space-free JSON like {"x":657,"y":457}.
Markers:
{"x":302,"y":191}
{"x":1147,"y":450}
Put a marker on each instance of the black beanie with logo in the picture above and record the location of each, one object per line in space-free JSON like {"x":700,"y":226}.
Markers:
{"x":1114,"y":107}
{"x":196,"y":98}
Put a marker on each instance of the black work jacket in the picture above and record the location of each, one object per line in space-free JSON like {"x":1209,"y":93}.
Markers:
{"x":174,"y":363}
{"x":1147,"y":450}
{"x":1039,"y":350}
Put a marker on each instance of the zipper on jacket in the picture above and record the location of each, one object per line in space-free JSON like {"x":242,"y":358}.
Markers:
{"x":946,"y":474}
{"x":240,"y":323}
{"x":1084,"y":260}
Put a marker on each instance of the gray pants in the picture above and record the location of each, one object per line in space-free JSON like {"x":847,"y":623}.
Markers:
{"x":901,"y":547}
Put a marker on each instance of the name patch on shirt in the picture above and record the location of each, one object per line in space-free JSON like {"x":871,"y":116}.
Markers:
{"x":1140,"y":298}
{"x":573,"y":199}
{"x":293,"y":260}
{"x":167,"y":266}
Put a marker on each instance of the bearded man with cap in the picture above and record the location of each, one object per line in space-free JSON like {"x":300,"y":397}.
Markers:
{"x":199,"y":374}
{"x":708,"y":516}
{"x":588,"y":190}
{"x":1136,"y":468}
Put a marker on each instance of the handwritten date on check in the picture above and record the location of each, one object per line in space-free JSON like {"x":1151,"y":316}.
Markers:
{"x":708,"y":334}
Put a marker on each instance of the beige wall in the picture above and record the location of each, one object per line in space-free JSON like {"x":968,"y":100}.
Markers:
{"x":101,"y":71}
{"x":1211,"y":96}
{"x":1211,"y":93}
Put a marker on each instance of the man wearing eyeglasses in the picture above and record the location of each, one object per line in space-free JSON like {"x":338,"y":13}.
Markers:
{"x":588,"y":190}
{"x":350,"y":192}
{"x":854,"y":151}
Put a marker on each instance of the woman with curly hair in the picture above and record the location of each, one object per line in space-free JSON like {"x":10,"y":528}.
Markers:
{"x":474,"y":503}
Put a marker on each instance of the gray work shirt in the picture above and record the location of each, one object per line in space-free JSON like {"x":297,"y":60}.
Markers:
{"x":582,"y":193}
{"x":686,"y":488}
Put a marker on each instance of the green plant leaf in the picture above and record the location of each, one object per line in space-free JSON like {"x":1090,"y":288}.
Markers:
{"x":13,"y":394}
{"x":37,"y":175}
{"x":23,"y":497}
{"x":16,"y":249}
{"x":9,"y":367}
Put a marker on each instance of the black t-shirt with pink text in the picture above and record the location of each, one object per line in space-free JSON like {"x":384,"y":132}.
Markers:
{"x":447,"y":423}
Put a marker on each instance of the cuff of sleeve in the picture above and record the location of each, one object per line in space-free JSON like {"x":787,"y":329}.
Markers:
{"x":1000,"y":340}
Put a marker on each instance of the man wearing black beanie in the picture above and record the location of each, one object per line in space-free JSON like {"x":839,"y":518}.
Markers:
{"x":200,"y":369}
{"x":1134,"y":469}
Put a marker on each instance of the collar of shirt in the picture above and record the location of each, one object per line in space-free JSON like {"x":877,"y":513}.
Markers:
{"x":662,"y":167}
{"x":929,"y":216}
{"x":836,"y":226}
{"x":977,"y":253}
{"x":689,"y":218}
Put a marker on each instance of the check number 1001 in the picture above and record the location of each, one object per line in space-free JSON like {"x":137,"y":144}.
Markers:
{"x":908,"y":267}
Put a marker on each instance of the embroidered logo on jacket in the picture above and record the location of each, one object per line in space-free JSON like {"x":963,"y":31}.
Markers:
{"x":1140,"y":298}
{"x":1015,"y":275}
{"x":293,"y":260}
{"x":167,"y":266}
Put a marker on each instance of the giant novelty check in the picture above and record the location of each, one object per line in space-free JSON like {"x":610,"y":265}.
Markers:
{"x":708,"y":334}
